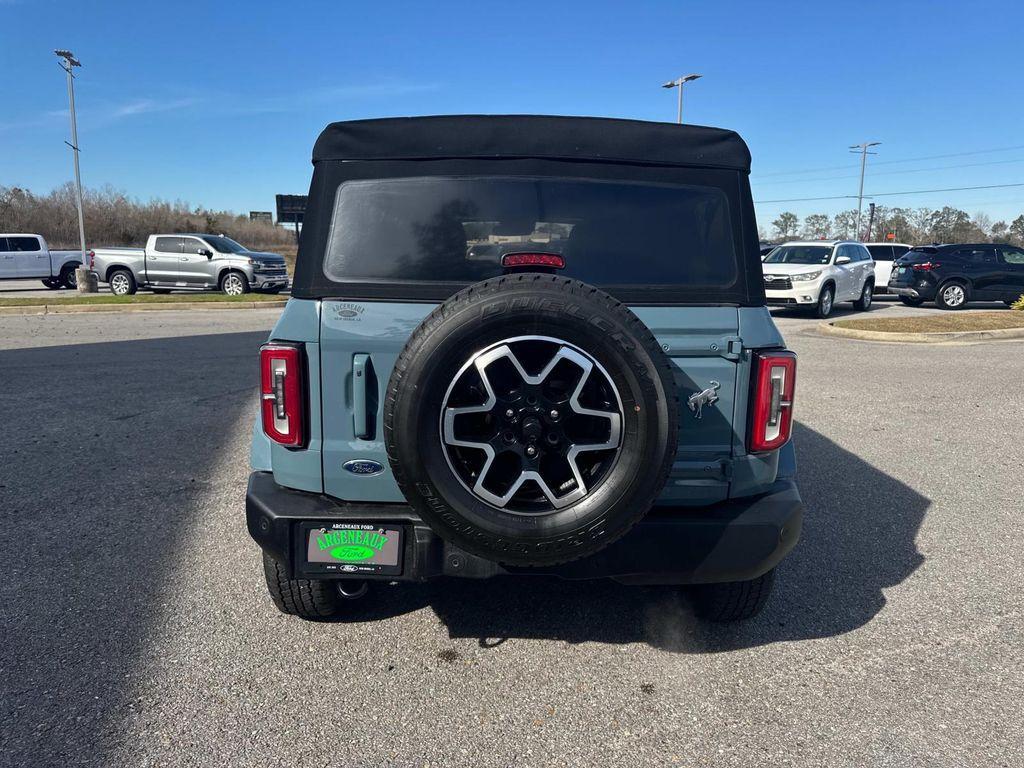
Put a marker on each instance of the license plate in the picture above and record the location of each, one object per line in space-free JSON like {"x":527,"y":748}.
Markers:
{"x":359,"y":548}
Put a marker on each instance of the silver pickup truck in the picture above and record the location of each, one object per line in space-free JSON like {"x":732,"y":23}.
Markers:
{"x":25,"y":256}
{"x":191,"y":262}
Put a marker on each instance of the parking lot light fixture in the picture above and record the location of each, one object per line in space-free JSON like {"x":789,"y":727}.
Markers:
{"x":84,"y":276}
{"x":679,"y":82}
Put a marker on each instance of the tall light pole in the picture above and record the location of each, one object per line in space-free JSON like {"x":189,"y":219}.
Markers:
{"x":679,"y":82}
{"x":863,"y":149}
{"x":83,"y":275}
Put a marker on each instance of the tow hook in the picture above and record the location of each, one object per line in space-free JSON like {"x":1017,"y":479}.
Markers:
{"x":352,"y":590}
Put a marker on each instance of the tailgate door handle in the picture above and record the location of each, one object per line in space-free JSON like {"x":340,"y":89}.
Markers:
{"x":360,"y":373}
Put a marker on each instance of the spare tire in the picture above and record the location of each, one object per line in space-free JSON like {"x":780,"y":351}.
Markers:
{"x":531,"y":419}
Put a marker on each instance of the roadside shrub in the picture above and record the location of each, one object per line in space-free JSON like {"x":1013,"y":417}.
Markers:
{"x":113,"y":218}
{"x":1018,"y":304}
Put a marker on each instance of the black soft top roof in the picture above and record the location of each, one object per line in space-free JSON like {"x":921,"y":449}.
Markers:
{"x":534,"y":136}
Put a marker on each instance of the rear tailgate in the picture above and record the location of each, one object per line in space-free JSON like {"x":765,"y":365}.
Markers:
{"x":360,"y":341}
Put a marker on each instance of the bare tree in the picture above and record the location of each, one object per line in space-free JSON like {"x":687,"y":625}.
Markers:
{"x":112,"y":218}
{"x":1017,"y":230}
{"x":786,"y":224}
{"x":844,"y":224}
{"x":816,"y":226}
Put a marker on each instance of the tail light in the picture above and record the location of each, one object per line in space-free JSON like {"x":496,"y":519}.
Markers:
{"x":927,"y":266}
{"x":774,"y":385}
{"x":551,"y":260}
{"x":282,"y":393}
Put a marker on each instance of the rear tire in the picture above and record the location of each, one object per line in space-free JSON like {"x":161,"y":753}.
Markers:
{"x":826,"y":302}
{"x":68,"y":278}
{"x":951,"y":295}
{"x":911,"y":302}
{"x":122,"y":282}
{"x":311,"y":599}
{"x":53,"y":285}
{"x":733,"y":600}
{"x":863,"y":304}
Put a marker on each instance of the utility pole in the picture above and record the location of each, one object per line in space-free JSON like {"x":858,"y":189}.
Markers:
{"x":84,"y":276}
{"x":679,"y":82}
{"x":863,"y":149}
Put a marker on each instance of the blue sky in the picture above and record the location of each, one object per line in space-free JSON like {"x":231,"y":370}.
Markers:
{"x":218,"y":104}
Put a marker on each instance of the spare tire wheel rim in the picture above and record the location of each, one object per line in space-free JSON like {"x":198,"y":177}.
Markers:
{"x":538,"y":442}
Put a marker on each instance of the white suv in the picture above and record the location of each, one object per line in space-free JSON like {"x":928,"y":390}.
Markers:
{"x":817,"y":274}
{"x":884,"y":255}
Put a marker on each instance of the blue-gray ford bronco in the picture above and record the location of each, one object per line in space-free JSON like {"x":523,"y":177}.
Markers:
{"x":525,"y":346}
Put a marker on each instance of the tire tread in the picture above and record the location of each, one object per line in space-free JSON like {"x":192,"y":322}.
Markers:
{"x":306,"y":598}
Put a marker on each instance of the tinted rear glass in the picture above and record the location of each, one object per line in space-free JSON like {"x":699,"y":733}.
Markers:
{"x":23,"y":244}
{"x":168,"y":244}
{"x":457,"y":229}
{"x":880,"y":252}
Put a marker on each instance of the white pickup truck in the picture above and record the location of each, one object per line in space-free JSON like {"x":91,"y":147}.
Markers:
{"x":24,"y":257}
{"x":190,"y":262}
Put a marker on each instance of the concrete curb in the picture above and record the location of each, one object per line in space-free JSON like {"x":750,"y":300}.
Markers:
{"x":828,"y":329}
{"x":157,"y":306}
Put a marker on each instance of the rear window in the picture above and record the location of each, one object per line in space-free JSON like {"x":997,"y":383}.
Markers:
{"x":457,"y":229}
{"x":23,"y":244}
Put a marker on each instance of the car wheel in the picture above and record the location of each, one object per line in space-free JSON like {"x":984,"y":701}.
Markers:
{"x":911,"y":302}
{"x":951,"y":295}
{"x":68,"y":278}
{"x":234,"y":284}
{"x":733,"y":600}
{"x":122,"y":282}
{"x":313,"y":599}
{"x":863,"y":304}
{"x":826,"y":302}
{"x":53,"y":284}
{"x":531,"y":420}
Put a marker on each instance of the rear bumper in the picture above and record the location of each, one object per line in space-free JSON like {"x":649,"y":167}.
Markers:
{"x":734,"y":540}
{"x":925,"y":294}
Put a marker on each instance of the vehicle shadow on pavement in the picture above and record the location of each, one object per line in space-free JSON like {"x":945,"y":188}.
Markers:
{"x":111,"y":451}
{"x":858,"y":539}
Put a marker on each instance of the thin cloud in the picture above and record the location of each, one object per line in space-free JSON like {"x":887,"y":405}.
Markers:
{"x":101,"y":116}
{"x":147,"y":106}
{"x":318,"y":96}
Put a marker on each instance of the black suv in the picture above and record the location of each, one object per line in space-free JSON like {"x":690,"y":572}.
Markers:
{"x":953,"y":275}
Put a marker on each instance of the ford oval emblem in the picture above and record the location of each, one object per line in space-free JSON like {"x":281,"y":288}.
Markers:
{"x":363,"y":467}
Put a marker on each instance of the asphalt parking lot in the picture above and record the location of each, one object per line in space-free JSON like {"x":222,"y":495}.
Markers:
{"x":137,"y":630}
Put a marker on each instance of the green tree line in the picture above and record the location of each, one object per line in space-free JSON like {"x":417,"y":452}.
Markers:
{"x":113,"y":218}
{"x":906,"y":225}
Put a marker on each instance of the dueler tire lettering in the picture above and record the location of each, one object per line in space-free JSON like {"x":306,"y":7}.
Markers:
{"x":531,"y":305}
